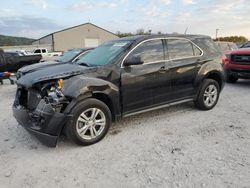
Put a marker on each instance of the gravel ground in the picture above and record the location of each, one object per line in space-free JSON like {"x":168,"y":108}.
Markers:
{"x":173,"y":147}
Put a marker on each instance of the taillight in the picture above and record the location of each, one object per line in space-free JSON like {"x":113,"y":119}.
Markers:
{"x":7,"y":74}
{"x":226,"y":59}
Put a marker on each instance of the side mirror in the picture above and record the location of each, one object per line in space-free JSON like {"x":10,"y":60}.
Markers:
{"x":133,"y":61}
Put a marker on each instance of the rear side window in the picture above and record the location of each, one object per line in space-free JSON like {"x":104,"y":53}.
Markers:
{"x":181,"y":48}
{"x":149,"y":51}
{"x":197,"y":51}
{"x":208,"y":46}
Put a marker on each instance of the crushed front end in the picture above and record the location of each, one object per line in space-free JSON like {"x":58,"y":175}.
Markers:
{"x":40,"y":110}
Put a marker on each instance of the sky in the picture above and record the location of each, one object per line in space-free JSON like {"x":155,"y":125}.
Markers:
{"x":37,"y":18}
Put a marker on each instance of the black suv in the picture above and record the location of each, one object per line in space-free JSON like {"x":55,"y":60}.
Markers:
{"x":120,"y":78}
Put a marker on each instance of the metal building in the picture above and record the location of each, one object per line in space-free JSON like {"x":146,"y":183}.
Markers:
{"x":85,"y":35}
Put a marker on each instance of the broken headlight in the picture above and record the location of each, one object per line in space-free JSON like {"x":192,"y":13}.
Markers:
{"x":53,"y":92}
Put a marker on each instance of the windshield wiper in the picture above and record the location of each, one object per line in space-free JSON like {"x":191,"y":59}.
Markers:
{"x":84,"y":64}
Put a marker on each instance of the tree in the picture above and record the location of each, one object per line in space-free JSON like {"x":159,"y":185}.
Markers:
{"x":121,"y":35}
{"x":235,"y":39}
{"x":138,"y":32}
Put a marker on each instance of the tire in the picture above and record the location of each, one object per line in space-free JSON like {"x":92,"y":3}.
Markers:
{"x":232,"y":79}
{"x":208,"y":95}
{"x":90,"y":122}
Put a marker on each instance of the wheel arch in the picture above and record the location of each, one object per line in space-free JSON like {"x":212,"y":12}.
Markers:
{"x":81,"y":88}
{"x":107,"y":100}
{"x":214,"y":75}
{"x":217,"y":76}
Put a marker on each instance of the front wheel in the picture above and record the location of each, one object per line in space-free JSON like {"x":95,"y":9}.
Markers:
{"x":90,"y":122}
{"x":208,"y":95}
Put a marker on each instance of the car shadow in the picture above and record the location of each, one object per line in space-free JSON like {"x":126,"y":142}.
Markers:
{"x":136,"y":120}
{"x":240,"y":83}
{"x":167,"y":112}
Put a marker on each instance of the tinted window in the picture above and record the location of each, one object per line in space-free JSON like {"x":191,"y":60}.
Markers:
{"x":37,"y":51}
{"x":43,"y":51}
{"x":208,"y":46}
{"x":179,"y":48}
{"x":149,"y":51}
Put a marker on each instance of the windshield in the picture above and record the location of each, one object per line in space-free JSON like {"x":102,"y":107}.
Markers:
{"x":69,"y":55}
{"x":104,"y":54}
{"x":246,"y":45}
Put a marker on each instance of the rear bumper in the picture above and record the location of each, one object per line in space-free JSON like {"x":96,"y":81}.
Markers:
{"x":43,"y":122}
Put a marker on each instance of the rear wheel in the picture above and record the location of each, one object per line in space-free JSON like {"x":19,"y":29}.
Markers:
{"x":208,"y":95}
{"x":232,"y":79}
{"x":90,"y":122}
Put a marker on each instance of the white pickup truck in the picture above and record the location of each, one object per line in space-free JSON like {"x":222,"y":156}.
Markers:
{"x":46,"y":56}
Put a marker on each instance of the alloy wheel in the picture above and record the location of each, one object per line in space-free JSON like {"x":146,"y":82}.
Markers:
{"x":91,"y":123}
{"x":210,"y":95}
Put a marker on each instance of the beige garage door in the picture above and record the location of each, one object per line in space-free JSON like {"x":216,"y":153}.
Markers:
{"x":90,"y":43}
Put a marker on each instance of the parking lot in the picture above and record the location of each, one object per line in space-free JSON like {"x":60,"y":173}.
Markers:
{"x":174,"y":147}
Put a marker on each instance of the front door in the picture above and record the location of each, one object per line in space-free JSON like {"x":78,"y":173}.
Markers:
{"x":140,"y":83}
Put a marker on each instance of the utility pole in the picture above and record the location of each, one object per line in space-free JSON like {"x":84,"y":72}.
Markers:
{"x":216,"y":34}
{"x":186,"y":30}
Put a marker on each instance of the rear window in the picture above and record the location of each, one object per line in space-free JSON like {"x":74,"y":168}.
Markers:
{"x":233,"y":46}
{"x":224,"y":47}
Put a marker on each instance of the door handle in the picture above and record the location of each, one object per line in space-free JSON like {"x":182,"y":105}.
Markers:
{"x":163,"y":69}
{"x":199,"y":61}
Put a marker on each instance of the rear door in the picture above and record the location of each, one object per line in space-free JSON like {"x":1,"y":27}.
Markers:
{"x":184,"y":64}
{"x":139,"y":83}
{"x":12,"y":61}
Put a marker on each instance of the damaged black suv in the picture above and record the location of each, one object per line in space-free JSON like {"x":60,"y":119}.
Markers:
{"x":120,"y":78}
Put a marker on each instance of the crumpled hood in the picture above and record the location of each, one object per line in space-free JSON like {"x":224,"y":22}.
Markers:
{"x":35,"y":67}
{"x":33,"y":74}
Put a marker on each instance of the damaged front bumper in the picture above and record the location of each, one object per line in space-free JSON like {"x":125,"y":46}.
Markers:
{"x":43,"y":121}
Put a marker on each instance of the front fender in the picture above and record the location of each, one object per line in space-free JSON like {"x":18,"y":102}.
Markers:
{"x":80,"y":87}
